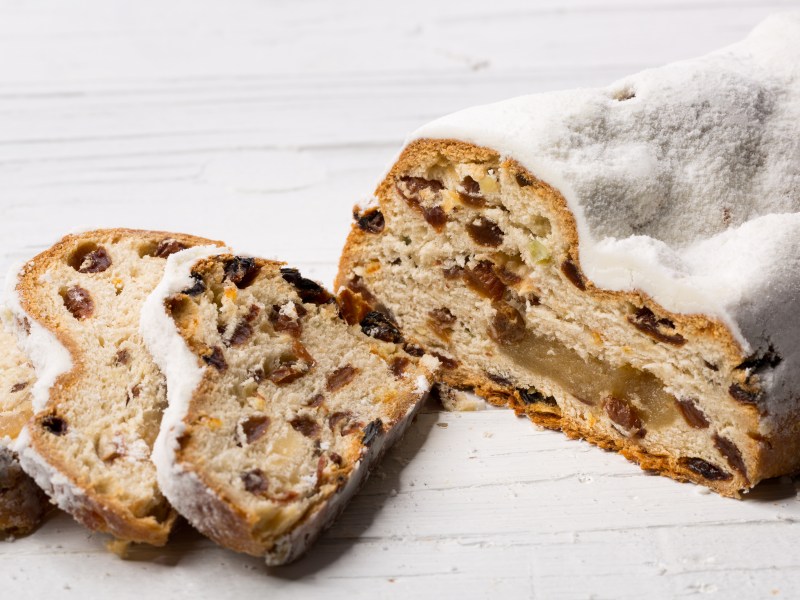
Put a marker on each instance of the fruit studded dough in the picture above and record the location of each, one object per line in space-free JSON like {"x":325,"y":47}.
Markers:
{"x":622,"y":263}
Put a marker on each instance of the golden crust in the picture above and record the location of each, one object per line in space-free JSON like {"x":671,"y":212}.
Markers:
{"x":95,"y":511}
{"x":777,"y":455}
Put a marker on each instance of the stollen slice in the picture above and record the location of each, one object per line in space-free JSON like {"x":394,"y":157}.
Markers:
{"x":277,"y":406}
{"x":99,"y":399}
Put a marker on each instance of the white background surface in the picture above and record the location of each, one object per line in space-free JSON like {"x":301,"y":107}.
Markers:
{"x":261,"y":123}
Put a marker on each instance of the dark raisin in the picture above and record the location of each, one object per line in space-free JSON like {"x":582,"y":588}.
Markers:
{"x":309,"y":291}
{"x":241,"y":271}
{"x":471,"y":196}
{"x":336,"y":459}
{"x":485,"y":232}
{"x":410,"y":187}
{"x":216,"y":359}
{"x":306,"y":425}
{"x":743,"y":395}
{"x":522,"y":180}
{"x":282,"y":322}
{"x":625,"y":415}
{"x":340,"y":378}
{"x":79,"y":302}
{"x":255,"y":427}
{"x":645,"y":321}
{"x":255,"y":481}
{"x":197,"y":288}
{"x":692,"y":413}
{"x":371,"y":222}
{"x":763,"y":359}
{"x":572,"y":273}
{"x":18,"y":387}
{"x":399,"y":365}
{"x":371,"y":431}
{"x":733,"y":455}
{"x":53,"y":424}
{"x":482,"y":279}
{"x":349,"y":424}
{"x":532,"y":396}
{"x":447,"y":362}
{"x":705,"y":469}
{"x":413,"y":350}
{"x":508,"y":325}
{"x":96,"y":261}
{"x":711,"y":366}
{"x":168,"y":246}
{"x":436,"y":217}
{"x":379,"y":326}
{"x":315,"y":401}
{"x":506,"y":276}
{"x":241,"y":334}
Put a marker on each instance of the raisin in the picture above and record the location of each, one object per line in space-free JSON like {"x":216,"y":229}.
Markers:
{"x":357,"y":285}
{"x":413,"y":350}
{"x":336,"y":459}
{"x":315,"y":401}
{"x":508,"y":325}
{"x":255,"y":481}
{"x":197,"y":288}
{"x":732,"y":454}
{"x":755,"y":363}
{"x":572,"y":273}
{"x":371,"y":222}
{"x":447,"y":362}
{"x":340,"y":378}
{"x":522,"y":180}
{"x":352,"y":307}
{"x":485,"y":232}
{"x":96,"y":261}
{"x":705,"y":469}
{"x":436,"y":217}
{"x":282,"y":322}
{"x":482,"y":279}
{"x":349,"y":424}
{"x":216,"y":359}
{"x":241,"y":271}
{"x":399,"y":365}
{"x":255,"y":427}
{"x":625,"y":415}
{"x":55,"y":425}
{"x":499,"y":379}
{"x":692,"y":413}
{"x":645,"y":321}
{"x":379,"y":326}
{"x":306,"y":425}
{"x":532,"y":396}
{"x":371,"y":431}
{"x":471,"y":196}
{"x":441,"y":321}
{"x":309,"y":291}
{"x":507,"y":277}
{"x":241,"y":334}
{"x":79,"y":302}
{"x":743,"y":395}
{"x":18,"y":387}
{"x":168,"y":246}
{"x":414,"y":185}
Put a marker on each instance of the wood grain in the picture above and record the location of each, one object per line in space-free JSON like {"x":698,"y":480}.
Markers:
{"x":261,"y":123}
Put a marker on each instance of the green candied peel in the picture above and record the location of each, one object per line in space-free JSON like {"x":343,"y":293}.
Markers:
{"x":538,"y":251}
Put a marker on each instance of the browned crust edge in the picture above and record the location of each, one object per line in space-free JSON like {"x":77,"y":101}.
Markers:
{"x":96,"y":511}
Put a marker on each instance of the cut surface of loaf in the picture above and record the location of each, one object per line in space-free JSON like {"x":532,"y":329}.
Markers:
{"x":647,"y":317}
{"x":22,"y":502}
{"x":97,"y":415}
{"x":277,"y":406}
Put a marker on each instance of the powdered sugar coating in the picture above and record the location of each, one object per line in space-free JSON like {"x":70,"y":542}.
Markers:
{"x":684,"y":182}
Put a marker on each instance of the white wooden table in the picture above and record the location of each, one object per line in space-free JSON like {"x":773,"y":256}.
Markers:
{"x":261,"y":123}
